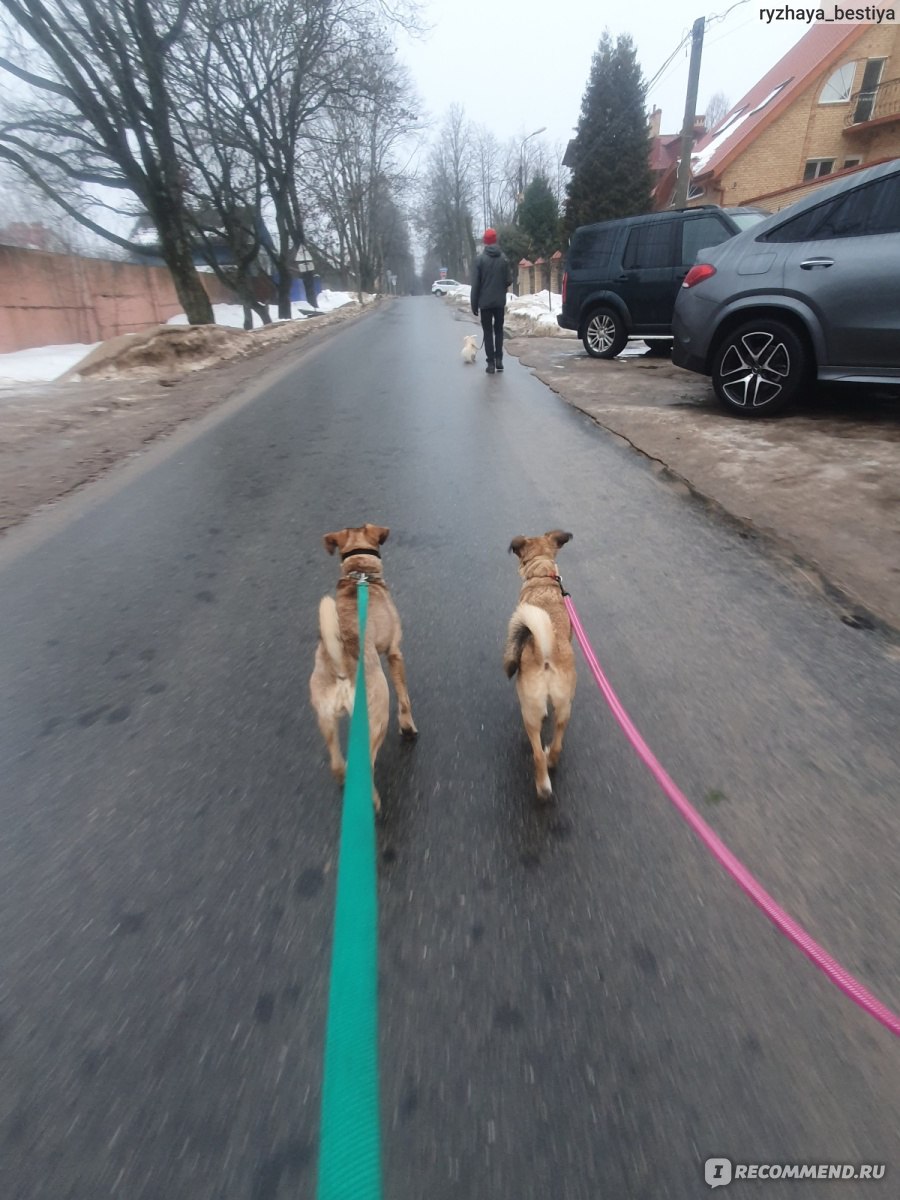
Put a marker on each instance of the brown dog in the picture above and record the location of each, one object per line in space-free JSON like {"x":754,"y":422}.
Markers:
{"x":333,"y":680}
{"x":539,"y":648}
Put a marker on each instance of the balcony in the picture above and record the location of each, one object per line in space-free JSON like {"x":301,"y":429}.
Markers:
{"x":878,"y":105}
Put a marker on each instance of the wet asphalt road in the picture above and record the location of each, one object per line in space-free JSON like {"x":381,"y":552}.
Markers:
{"x":575,"y":1002}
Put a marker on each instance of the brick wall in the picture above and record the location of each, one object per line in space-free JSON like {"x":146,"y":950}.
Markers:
{"x":56,"y":299}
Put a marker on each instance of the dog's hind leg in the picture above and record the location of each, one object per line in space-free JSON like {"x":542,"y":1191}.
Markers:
{"x":328,"y":723}
{"x":534,"y":710}
{"x":562,"y":710}
{"x":379,"y":706}
{"x":397,"y":668}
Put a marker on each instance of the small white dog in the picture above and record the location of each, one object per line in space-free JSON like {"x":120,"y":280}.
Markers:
{"x":470,"y":348}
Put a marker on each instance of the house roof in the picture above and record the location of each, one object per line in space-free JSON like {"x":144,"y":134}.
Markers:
{"x":811,"y":57}
{"x":664,"y":151}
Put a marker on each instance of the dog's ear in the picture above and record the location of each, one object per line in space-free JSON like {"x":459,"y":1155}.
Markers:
{"x":331,"y":541}
{"x":515,"y":546}
{"x":379,"y":532}
{"x":559,"y":536}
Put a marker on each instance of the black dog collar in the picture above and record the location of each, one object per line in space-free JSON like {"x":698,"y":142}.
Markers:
{"x":350,"y":553}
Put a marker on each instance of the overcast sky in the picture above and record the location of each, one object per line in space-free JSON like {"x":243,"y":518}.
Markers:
{"x":516,"y":65}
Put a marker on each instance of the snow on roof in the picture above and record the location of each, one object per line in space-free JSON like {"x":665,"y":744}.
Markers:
{"x":725,"y":133}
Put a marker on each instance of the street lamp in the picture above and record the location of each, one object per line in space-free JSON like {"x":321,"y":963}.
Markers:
{"x":543,"y":129}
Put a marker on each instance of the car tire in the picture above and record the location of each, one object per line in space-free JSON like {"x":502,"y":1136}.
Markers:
{"x":759,"y":368}
{"x":604,"y":334}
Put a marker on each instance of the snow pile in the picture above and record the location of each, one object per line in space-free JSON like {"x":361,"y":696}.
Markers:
{"x":232,"y":315}
{"x":42,"y":363}
{"x":541,"y":308}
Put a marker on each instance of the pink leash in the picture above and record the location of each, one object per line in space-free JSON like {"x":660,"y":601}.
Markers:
{"x":736,"y":869}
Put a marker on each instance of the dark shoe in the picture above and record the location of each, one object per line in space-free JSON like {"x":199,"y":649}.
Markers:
{"x":499,"y":364}
{"x":489,"y":369}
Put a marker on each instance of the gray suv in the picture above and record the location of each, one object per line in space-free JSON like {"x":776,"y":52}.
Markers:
{"x":812,"y":292}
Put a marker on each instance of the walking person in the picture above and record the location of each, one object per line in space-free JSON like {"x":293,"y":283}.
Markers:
{"x":491,"y":280}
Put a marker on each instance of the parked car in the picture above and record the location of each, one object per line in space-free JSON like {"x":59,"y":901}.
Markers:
{"x":441,"y":287}
{"x":811,"y":293}
{"x":622,"y":277}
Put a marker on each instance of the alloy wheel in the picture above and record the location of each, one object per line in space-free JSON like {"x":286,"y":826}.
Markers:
{"x":754,"y":369}
{"x":601,"y":333}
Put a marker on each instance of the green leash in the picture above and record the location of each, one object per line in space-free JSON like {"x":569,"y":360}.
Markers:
{"x":350,"y":1132}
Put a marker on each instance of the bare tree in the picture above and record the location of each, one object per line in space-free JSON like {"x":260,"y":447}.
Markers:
{"x":224,"y":182}
{"x":32,"y":220}
{"x":355,"y":162}
{"x":449,"y":194}
{"x":282,"y":64}
{"x":487,"y":162}
{"x":716,"y":108}
{"x":98,"y":114}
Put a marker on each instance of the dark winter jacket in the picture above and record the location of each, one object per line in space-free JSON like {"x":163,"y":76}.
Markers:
{"x":491,"y":279}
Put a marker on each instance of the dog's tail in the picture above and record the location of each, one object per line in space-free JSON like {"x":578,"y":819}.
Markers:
{"x":330,"y":631}
{"x":528,"y":621}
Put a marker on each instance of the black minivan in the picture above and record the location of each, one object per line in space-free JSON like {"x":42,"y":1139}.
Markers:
{"x":622,"y":276}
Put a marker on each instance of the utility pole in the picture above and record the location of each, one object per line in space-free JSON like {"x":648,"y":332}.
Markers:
{"x":690,"y":114}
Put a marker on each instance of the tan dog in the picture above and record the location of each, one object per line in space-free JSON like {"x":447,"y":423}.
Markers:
{"x":333,"y":681}
{"x":539,"y":648}
{"x":470,"y":349}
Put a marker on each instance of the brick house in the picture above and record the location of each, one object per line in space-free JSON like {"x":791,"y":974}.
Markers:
{"x":831,"y":104}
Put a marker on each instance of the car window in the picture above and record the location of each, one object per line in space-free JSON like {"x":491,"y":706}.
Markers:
{"x":868,"y":210}
{"x":649,"y":245}
{"x":747,"y":220}
{"x":872,"y":209}
{"x":884,"y":215}
{"x":699,"y":232}
{"x":799,"y":229}
{"x":592,"y":248}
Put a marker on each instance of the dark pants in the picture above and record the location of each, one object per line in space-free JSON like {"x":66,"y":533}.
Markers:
{"x":492,"y":324}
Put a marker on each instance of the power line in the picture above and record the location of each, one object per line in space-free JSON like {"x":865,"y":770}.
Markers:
{"x":684,"y":41}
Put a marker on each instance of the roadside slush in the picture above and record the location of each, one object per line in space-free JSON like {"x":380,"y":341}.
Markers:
{"x":820,"y":486}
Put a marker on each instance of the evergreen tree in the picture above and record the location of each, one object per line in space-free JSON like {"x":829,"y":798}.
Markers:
{"x":515,"y":244}
{"x":539,"y":218}
{"x":611,"y":168}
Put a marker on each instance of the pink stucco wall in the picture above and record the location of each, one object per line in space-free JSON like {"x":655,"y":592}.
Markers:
{"x":56,"y":299}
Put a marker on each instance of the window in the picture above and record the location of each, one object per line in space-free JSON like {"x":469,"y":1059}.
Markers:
{"x":850,"y":162}
{"x":696,"y":192}
{"x":699,"y":232}
{"x":771,"y":96}
{"x":865,"y":211}
{"x":839,"y":86}
{"x":649,"y":245}
{"x":592,"y":248}
{"x":871,"y":79}
{"x":817,"y":167}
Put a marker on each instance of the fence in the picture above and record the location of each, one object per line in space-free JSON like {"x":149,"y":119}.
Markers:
{"x":544,"y":274}
{"x":57,"y":299}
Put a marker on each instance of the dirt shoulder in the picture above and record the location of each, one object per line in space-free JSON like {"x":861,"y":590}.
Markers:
{"x":821,"y":485}
{"x":55,"y":437}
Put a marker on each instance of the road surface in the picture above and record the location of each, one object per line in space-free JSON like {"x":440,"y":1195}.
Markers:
{"x":576,"y":1003}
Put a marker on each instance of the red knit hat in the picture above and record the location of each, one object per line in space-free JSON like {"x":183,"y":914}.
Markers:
{"x":490,"y":237}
